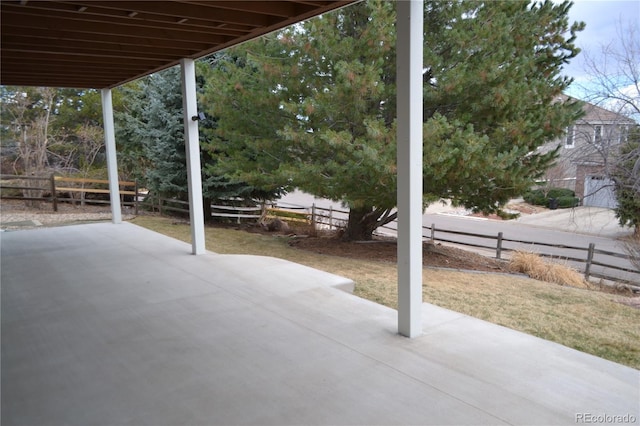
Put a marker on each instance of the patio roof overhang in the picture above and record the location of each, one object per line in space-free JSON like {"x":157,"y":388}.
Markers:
{"x":103,"y":44}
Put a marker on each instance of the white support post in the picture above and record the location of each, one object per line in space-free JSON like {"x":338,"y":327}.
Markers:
{"x":192,"y":145}
{"x":409,"y":157}
{"x":112,"y":161}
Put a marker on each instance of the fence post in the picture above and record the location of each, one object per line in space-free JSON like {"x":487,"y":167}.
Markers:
{"x":499,"y":246}
{"x":433,"y":232}
{"x":54,"y":194}
{"x":135,"y":202}
{"x":587,"y":269}
{"x":330,"y":217}
{"x":313,"y":215}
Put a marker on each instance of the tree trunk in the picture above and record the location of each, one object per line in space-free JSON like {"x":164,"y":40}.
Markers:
{"x":206,"y":206}
{"x":362,"y":223}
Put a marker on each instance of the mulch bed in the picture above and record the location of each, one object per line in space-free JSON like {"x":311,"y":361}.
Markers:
{"x":433,"y":255}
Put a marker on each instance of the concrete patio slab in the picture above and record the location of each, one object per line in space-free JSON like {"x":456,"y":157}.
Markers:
{"x":116,"y":325}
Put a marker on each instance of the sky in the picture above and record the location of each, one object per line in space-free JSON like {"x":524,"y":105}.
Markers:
{"x":602,"y":18}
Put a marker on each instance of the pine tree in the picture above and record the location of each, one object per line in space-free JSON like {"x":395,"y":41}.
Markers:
{"x":130,"y":129}
{"x":314,"y":106}
{"x":492,"y":87}
{"x":150,"y":132}
{"x":162,"y":134}
{"x":626,"y":176}
{"x":220,"y":160}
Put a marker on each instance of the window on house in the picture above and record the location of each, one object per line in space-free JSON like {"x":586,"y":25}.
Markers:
{"x":597,"y":136}
{"x":569,"y":141}
{"x":624,"y":134}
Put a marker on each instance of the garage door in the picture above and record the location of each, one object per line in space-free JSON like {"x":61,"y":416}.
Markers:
{"x":598,"y":192}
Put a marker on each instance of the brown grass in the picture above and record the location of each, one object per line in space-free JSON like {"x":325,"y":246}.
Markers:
{"x":588,"y":321}
{"x":539,"y":269}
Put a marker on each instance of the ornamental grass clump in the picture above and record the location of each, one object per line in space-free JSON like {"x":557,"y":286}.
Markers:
{"x":537,"y":268}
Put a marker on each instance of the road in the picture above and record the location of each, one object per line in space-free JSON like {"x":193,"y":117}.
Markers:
{"x":544,"y":228}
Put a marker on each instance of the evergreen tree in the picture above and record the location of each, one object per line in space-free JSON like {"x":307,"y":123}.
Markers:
{"x":150,"y":133}
{"x":162,"y":134}
{"x":220,"y":181}
{"x":491,"y":97}
{"x":626,"y":176}
{"x":129,"y":131}
{"x":241,"y":150}
{"x":314,"y":105}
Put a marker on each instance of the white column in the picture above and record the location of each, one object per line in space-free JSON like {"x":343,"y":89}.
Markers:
{"x":112,"y":161}
{"x":192,"y":145}
{"x":409,"y":156}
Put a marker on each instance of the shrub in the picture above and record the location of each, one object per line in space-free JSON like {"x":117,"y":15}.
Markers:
{"x":568,"y":202}
{"x":536,"y":198}
{"x":537,"y":268}
{"x":560,"y":192}
{"x":564,"y":197}
{"x":508,"y":215}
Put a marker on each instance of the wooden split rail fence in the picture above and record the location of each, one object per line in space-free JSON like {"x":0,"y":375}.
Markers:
{"x":316,"y":215}
{"x":593,"y":262}
{"x":585,"y":257}
{"x":231,"y":212}
{"x":55,"y":189}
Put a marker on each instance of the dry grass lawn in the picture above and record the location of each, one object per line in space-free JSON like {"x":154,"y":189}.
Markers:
{"x":586,"y":320}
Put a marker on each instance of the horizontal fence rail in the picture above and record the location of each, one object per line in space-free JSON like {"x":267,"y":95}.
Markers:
{"x":31,"y":188}
{"x":250,"y":212}
{"x":584,"y":258}
{"x":216,"y":210}
{"x":166,"y":204}
{"x":55,"y":189}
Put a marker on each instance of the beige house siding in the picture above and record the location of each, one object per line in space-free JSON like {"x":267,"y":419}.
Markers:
{"x":588,"y":148}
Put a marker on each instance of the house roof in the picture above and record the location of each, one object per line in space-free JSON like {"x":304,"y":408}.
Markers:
{"x":595,"y":114}
{"x":101,"y":44}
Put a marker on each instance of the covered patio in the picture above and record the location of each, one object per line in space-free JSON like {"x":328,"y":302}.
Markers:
{"x":116,"y":325}
{"x":107,"y":324}
{"x":104,"y":44}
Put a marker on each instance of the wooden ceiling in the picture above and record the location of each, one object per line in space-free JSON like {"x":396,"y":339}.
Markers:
{"x":102,"y":44}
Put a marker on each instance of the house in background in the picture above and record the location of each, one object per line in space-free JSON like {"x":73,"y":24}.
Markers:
{"x":587,"y":153}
